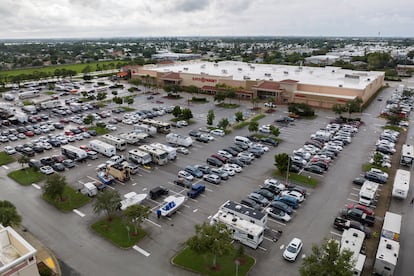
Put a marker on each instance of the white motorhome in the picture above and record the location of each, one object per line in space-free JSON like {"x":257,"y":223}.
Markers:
{"x":180,"y":140}
{"x":368,"y":193}
{"x":244,"y":212}
{"x":144,"y":128}
{"x":391,"y":227}
{"x":139,"y":156}
{"x":131,"y":138}
{"x":401,"y":184}
{"x":247,"y":233}
{"x":102,"y":147}
{"x":172,"y":152}
{"x":73,"y":152}
{"x":158,"y":156}
{"x":387,"y":257}
{"x":29,"y":94}
{"x":50,"y":104}
{"x":407,"y":155}
{"x":118,"y":143}
{"x":353,"y":239}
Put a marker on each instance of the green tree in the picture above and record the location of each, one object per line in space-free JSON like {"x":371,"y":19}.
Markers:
{"x":115,"y":93}
{"x":186,"y":114}
{"x":378,"y":159}
{"x":88,"y":119}
{"x":176,"y":112}
{"x":223,"y":123}
{"x":210,"y":117}
{"x":108,"y":201}
{"x":327,"y":259}
{"x":23,"y":160}
{"x":55,"y":186}
{"x":255,"y":101}
{"x":118,"y":100}
{"x":219,"y":97}
{"x":274,"y":130}
{"x":239,"y":116}
{"x":129,"y":100}
{"x":136,"y":214}
{"x":8,"y":214}
{"x":211,"y":239}
{"x":282,"y":162}
{"x":338,"y":108}
{"x":101,"y":96}
{"x":393,"y":119}
{"x":253,"y":126}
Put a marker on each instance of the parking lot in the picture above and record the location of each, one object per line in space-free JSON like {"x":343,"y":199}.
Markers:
{"x":311,"y":221}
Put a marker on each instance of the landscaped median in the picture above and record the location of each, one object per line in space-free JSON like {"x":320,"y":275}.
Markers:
{"x":115,"y":229}
{"x":26,"y":176}
{"x":299,"y":179}
{"x":71,"y":199}
{"x":226,"y":265}
{"x":5,"y":158}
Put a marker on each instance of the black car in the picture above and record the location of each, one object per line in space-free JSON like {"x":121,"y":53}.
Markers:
{"x":28,"y":151}
{"x":314,"y":169}
{"x":285,"y":119}
{"x":250,"y":203}
{"x":19,"y":148}
{"x":59,"y":167}
{"x":253,"y":138}
{"x":246,"y":160}
{"x":269,"y":141}
{"x":194,"y":133}
{"x":359,"y":181}
{"x":33,"y":163}
{"x":183,"y":182}
{"x":321,"y":164}
{"x":295,"y":169}
{"x":266,"y":193}
{"x":58,"y":126}
{"x":75,"y":130}
{"x":157,"y":192}
{"x":257,"y":153}
{"x":92,"y":132}
{"x":38,"y":149}
{"x":214,"y":162}
{"x":236,"y":148}
{"x":55,"y":143}
{"x":231,"y":151}
{"x":47,"y":161}
{"x":385,"y":150}
{"x":236,"y":161}
{"x":375,"y":178}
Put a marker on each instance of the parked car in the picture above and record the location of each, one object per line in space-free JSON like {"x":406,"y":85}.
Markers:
{"x":359,"y":181}
{"x":314,"y":169}
{"x":269,"y":195}
{"x":194,"y":133}
{"x":68,"y":163}
{"x":218,"y":132}
{"x":194,"y":171}
{"x":183,"y":182}
{"x":258,"y":198}
{"x":282,"y":206}
{"x":298,"y":196}
{"x":250,"y":203}
{"x":9,"y":150}
{"x":183,"y":150}
{"x":363,"y":208}
{"x":186,"y":175}
{"x":46,"y":170}
{"x":278,"y":214}
{"x":212,"y":178}
{"x":223,"y":175}
{"x":214,"y":162}
{"x":59,"y":167}
{"x":203,"y":168}
{"x":293,"y":250}
{"x":269,"y":141}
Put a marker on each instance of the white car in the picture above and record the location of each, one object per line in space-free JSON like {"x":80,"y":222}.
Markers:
{"x":224,"y":153}
{"x":218,"y":132}
{"x":264,"y":129}
{"x":293,"y":249}
{"x":271,"y":105}
{"x":384,"y":163}
{"x":208,"y":136}
{"x":111,"y":128}
{"x":298,"y":159}
{"x":46,"y":145}
{"x":294,"y":194}
{"x":46,"y":170}
{"x":246,"y":154}
{"x":9,"y":150}
{"x":183,"y":150}
{"x":278,"y":214}
{"x":234,"y":167}
{"x":379,"y":172}
{"x":185,"y":175}
{"x":274,"y":182}
{"x":228,"y":170}
{"x":182,"y":123}
{"x":212,"y":178}
{"x":263,"y":147}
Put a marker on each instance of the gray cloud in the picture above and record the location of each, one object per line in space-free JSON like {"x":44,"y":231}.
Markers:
{"x":190,"y":5}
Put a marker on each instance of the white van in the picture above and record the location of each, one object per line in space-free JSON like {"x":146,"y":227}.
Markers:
{"x":243,"y":140}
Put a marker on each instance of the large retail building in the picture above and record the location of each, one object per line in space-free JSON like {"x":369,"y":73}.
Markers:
{"x":316,"y":86}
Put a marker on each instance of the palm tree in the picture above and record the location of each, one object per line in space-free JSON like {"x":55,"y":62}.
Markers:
{"x":8,"y":214}
{"x":136,"y":214}
{"x":108,"y":201}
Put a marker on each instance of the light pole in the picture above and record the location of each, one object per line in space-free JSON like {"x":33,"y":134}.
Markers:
{"x":287,"y":171}
{"x":237,"y":267}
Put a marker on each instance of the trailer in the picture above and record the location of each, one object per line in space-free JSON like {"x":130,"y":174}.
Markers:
{"x":118,"y":143}
{"x":29,"y":94}
{"x":121,"y":172}
{"x":172,"y":152}
{"x":401,"y":184}
{"x":244,"y":212}
{"x":391,"y":227}
{"x":353,"y":239}
{"x":247,"y":233}
{"x":144,"y":128}
{"x":131,"y":138}
{"x":407,"y":155}
{"x":19,"y":117}
{"x":368,"y":193}
{"x":387,"y":257}
{"x":171,"y":204}
{"x":102,"y":147}
{"x":50,"y":104}
{"x":139,"y":157}
{"x":73,"y":152}
{"x":180,"y":140}
{"x":158,"y":156}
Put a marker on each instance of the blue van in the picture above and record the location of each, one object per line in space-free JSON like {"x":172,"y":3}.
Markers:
{"x":289,"y":200}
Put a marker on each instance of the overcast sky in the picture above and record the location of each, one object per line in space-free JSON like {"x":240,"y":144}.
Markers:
{"x":137,"y":18}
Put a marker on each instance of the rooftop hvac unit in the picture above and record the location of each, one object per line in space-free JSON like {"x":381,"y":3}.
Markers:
{"x":246,"y":77}
{"x":224,"y":71}
{"x":203,"y":66}
{"x":216,"y":64}
{"x":185,"y":68}
{"x":340,"y":85}
{"x":267,"y":74}
{"x":286,"y":72}
{"x":240,"y":69}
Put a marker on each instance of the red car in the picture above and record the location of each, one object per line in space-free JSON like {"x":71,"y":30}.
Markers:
{"x":83,"y":128}
{"x":29,"y":133}
{"x":85,"y":148}
{"x":64,"y":121}
{"x":69,"y":133}
{"x":363,"y":208}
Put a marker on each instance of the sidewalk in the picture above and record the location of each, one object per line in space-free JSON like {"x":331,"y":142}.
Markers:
{"x":43,"y":254}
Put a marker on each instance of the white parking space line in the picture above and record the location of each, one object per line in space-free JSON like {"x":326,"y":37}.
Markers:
{"x":276,"y":221}
{"x":144,"y":189}
{"x":269,"y":239}
{"x":5,"y":167}
{"x":356,"y":189}
{"x":150,"y":221}
{"x":336,"y":234}
{"x":282,"y":246}
{"x":185,"y":205}
{"x":178,"y":212}
{"x":262,"y":248}
{"x":195,"y":210}
{"x":303,"y":256}
{"x":36,"y":186}
{"x":352,"y":194}
{"x":79,"y":213}
{"x":353,"y":200}
{"x":192,"y":199}
{"x":202,"y":195}
{"x":208,"y":190}
{"x":110,"y":187}
{"x":140,"y":250}
{"x":133,"y":184}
